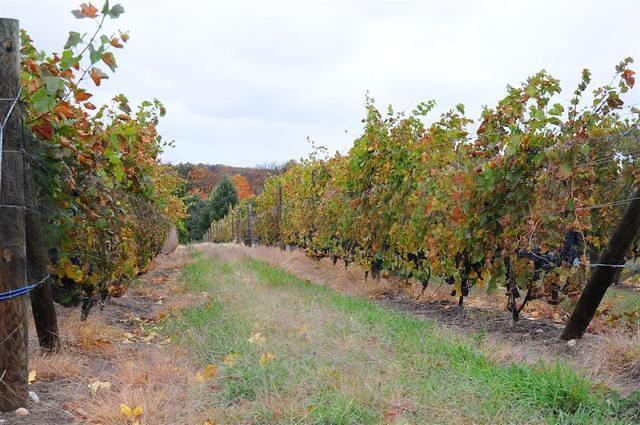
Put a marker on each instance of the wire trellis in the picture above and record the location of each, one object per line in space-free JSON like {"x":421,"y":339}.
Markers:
{"x":14,"y":101}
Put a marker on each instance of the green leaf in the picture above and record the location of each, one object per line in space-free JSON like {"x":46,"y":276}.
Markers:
{"x":566,"y":169}
{"x":95,"y":55}
{"x":53,"y":84}
{"x":74,"y":39}
{"x":42,"y":102}
{"x":556,"y":110}
{"x":116,"y":11}
{"x":68,"y":60}
{"x":105,"y":8}
{"x":513,"y":144}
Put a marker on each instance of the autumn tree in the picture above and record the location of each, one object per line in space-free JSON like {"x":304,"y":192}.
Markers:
{"x":242,"y":186}
{"x":202,"y":181}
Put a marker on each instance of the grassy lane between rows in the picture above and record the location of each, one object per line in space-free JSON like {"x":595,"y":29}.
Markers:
{"x":289,"y":352}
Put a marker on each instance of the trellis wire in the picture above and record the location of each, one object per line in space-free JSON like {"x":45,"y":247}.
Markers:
{"x":13,"y":101}
{"x":14,"y":293}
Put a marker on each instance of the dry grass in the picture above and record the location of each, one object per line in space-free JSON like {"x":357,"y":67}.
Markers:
{"x":160,"y":382}
{"x":622,"y":355}
{"x":111,"y":346}
{"x":58,"y":366}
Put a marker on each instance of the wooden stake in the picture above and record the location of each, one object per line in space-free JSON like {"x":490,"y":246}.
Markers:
{"x":280,"y":218}
{"x":42,"y":305}
{"x":249,"y":228}
{"x":13,"y":312}
{"x":602,"y":277}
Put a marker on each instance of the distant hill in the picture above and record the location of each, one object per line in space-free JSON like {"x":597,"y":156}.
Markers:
{"x":203,"y":178}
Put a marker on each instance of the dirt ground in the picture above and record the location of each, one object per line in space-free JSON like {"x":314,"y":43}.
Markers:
{"x":109,"y":347}
{"x":114,"y":347}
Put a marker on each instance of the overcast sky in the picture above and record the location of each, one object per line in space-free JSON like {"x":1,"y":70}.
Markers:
{"x":246,"y":82}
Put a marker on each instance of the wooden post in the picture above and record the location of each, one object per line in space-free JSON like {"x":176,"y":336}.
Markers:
{"x":602,"y":277}
{"x":249,"y":227}
{"x":42,"y":305}
{"x":233,"y":227}
{"x":236,"y":220}
{"x":279,"y":212}
{"x":13,"y":312}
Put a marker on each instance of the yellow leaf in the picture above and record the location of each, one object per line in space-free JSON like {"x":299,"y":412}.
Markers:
{"x":126,"y":410}
{"x":211,"y":371}
{"x":257,"y":338}
{"x":266,"y":358}
{"x":199,"y":377}
{"x":32,"y":376}
{"x":208,"y":422}
{"x":138,"y":411}
{"x":230,"y":359}
{"x":304,"y":329}
{"x":98,"y":385}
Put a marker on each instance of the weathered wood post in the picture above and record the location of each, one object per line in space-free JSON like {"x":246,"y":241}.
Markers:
{"x":279,"y":212}
{"x":249,"y":226}
{"x":13,"y":312}
{"x":42,"y":305}
{"x":603,"y":276}
{"x":236,"y":218}
{"x":234,"y":237}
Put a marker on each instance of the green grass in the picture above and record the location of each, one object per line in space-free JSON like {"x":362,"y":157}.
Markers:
{"x":625,"y":304}
{"x":345,"y":360}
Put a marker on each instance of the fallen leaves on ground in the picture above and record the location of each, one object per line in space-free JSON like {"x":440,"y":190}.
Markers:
{"x":266,"y":358}
{"x":32,"y":376}
{"x":230,"y":359}
{"x":257,"y":338}
{"x":131,"y":413}
{"x":98,"y":386}
{"x":209,"y":372}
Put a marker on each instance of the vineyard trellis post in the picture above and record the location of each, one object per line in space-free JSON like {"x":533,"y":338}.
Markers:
{"x":233,"y":227}
{"x":13,"y":312}
{"x":249,"y":226}
{"x":279,"y":212}
{"x":42,"y":304}
{"x":604,"y":275}
{"x":238,"y":229}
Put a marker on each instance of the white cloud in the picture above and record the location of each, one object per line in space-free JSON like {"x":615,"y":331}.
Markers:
{"x":246,"y":82}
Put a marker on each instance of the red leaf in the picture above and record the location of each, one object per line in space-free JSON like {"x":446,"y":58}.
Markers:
{"x":82,"y":95}
{"x":628,"y":77}
{"x":116,"y":43}
{"x":44,"y":130}
{"x":110,"y":60}
{"x":88,"y":10}
{"x":63,"y":109}
{"x":97,"y":76}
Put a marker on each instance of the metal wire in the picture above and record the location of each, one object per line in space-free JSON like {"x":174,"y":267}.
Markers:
{"x":14,"y":293}
{"x":608,"y":204}
{"x":13,"y":101}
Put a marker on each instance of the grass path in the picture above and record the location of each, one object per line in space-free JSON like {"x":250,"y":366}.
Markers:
{"x":289,"y":352}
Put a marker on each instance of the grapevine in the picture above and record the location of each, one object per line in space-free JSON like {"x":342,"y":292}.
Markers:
{"x":514,"y":203}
